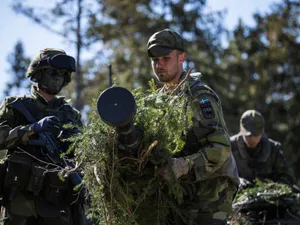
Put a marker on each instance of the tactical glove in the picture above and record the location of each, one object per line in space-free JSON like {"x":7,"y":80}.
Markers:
{"x":47,"y":124}
{"x":244,"y":183}
{"x":179,"y":166}
{"x":66,"y":133}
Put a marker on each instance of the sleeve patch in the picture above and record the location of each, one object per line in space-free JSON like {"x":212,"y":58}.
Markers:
{"x":206,"y":108}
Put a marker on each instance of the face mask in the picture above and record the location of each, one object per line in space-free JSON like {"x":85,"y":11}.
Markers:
{"x":52,"y":81}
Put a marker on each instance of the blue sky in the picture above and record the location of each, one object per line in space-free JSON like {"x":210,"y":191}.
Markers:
{"x":17,"y":27}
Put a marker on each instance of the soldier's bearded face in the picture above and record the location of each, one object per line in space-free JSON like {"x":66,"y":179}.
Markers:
{"x":168,"y":68}
{"x":252,"y":141}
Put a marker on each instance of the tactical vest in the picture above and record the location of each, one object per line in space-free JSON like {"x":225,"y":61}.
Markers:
{"x":261,"y":164}
{"x":27,"y":173}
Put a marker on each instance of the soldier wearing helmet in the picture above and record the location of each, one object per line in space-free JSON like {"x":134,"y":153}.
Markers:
{"x":32,"y":191}
{"x":256,"y":155}
{"x":47,"y":66}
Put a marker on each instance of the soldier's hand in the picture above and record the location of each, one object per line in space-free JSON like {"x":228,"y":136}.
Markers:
{"x":66,"y":133}
{"x":177,"y":166}
{"x":47,"y":124}
{"x":180,"y":166}
{"x":244,"y":183}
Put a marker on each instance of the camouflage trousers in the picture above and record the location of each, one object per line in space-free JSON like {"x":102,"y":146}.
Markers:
{"x":211,"y":205}
{"x":24,"y":211}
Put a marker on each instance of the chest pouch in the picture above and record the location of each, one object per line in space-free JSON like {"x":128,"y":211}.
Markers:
{"x":18,"y":171}
{"x":36,"y":180}
{"x":55,"y":189}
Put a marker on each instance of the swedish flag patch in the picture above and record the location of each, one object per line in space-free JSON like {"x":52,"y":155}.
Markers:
{"x":206,"y":108}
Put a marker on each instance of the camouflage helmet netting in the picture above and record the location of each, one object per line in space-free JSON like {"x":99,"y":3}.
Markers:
{"x":44,"y":53}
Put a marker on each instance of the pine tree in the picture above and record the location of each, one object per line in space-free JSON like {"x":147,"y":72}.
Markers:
{"x":65,"y":18}
{"x":18,"y":67}
{"x":261,"y":62}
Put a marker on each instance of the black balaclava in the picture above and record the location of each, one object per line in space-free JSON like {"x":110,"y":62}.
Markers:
{"x":51,"y":81}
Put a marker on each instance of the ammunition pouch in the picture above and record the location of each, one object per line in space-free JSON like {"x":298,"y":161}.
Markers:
{"x":36,"y":180}
{"x":25,"y":174}
{"x":18,"y":172}
{"x":55,"y":190}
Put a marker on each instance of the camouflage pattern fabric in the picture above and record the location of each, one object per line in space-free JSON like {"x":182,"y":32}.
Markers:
{"x":34,"y":64}
{"x":213,"y":179}
{"x":21,"y":204}
{"x":268,"y":161}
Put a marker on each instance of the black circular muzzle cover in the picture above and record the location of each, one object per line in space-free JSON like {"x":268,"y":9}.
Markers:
{"x":116,"y":106}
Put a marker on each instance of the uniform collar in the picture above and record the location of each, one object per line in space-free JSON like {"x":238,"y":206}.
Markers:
{"x":54,"y":103}
{"x":194,"y":79}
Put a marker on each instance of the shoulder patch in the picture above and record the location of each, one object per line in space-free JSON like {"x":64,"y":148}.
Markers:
{"x":206,"y":108}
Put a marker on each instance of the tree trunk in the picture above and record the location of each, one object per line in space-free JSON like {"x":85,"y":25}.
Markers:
{"x":78,"y":104}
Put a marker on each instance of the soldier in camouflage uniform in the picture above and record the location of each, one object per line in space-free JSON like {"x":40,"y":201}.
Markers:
{"x":33,"y":192}
{"x":256,"y":155}
{"x":206,"y":163}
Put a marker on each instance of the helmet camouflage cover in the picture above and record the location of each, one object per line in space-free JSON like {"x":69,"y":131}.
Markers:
{"x":35,"y":65}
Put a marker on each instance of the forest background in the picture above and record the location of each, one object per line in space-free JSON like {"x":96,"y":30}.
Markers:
{"x":253,"y":66}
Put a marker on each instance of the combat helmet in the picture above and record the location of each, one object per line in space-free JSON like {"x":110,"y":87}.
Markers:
{"x":51,"y":58}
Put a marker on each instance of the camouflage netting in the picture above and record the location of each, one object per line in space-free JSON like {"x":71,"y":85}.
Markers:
{"x":265,"y":202}
{"x":127,"y":189}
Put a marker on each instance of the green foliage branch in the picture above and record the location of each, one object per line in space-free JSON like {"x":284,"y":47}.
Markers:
{"x":126,"y":187}
{"x":263,"y":195}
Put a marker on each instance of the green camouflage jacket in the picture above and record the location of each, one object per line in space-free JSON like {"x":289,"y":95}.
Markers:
{"x":208,"y":143}
{"x":268,"y":161}
{"x":213,"y":177}
{"x":14,"y":126}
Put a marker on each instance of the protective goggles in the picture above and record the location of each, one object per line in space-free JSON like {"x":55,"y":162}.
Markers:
{"x":59,"y":61}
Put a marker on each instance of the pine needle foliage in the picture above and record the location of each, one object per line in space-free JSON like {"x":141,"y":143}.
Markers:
{"x":264,"y":196}
{"x":125,"y":185}
{"x":266,"y":191}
